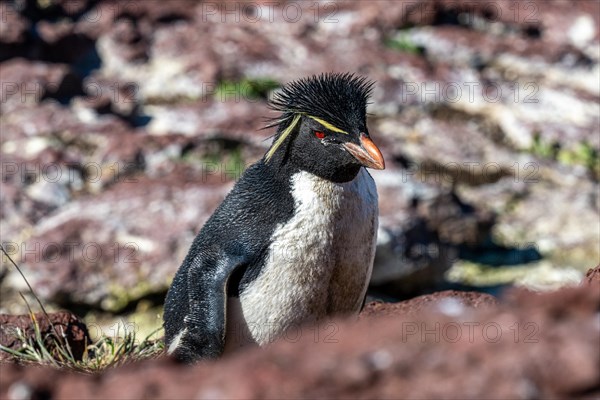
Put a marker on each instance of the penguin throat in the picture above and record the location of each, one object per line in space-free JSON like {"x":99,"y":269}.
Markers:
{"x":341,"y":175}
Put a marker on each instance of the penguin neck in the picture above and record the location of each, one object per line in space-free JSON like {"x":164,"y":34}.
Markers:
{"x":284,"y":166}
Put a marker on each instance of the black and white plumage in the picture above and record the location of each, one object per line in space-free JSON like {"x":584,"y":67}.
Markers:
{"x":294,"y":240}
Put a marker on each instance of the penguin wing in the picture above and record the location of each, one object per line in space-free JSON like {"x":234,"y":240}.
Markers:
{"x":232,"y":242}
{"x":203,"y":335}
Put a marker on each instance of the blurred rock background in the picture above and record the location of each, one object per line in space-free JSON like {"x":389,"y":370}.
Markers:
{"x":124,"y":123}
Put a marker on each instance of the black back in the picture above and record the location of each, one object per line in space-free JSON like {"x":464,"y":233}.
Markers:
{"x":240,"y":227}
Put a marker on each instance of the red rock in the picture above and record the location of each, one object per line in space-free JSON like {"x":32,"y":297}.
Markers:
{"x":513,"y":350}
{"x":592,"y":277}
{"x":98,"y":250}
{"x":13,"y":31}
{"x":26,"y":82}
{"x":54,"y":328}
{"x":449,"y":301}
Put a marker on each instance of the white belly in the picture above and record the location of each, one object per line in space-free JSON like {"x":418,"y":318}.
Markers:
{"x":320,"y":260}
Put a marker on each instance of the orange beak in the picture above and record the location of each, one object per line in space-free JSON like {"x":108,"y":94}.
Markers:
{"x":367,"y":153}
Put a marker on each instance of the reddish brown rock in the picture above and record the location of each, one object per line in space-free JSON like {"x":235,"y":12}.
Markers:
{"x":26,"y":82}
{"x":592,"y":277}
{"x":104,"y":251}
{"x":421,"y":228}
{"x":54,"y":329}
{"x":448,"y":301}
{"x":539,"y":346}
{"x":13,"y":32}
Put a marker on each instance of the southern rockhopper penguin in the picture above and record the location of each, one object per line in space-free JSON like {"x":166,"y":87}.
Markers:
{"x":294,"y":240}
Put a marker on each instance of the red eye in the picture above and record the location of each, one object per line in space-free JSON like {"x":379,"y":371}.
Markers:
{"x":319,"y":135}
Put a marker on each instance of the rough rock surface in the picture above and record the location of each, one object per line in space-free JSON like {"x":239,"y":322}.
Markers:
{"x":450,"y":301}
{"x":592,"y":277}
{"x":487,"y":115}
{"x":106,"y":253}
{"x":54,"y":329}
{"x":529,"y":346}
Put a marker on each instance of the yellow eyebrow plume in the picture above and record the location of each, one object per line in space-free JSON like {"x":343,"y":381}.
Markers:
{"x":327,"y":125}
{"x":281,"y":138}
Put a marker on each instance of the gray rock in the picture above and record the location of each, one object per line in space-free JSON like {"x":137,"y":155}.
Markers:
{"x":122,"y":245}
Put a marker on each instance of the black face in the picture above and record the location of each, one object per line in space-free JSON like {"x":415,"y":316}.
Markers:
{"x":321,"y":151}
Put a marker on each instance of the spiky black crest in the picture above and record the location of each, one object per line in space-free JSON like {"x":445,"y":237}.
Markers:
{"x":338,"y":98}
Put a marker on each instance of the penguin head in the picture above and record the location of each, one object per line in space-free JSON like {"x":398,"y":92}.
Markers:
{"x":322,"y":127}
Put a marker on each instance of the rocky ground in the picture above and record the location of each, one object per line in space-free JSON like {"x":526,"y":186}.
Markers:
{"x":123,"y":124}
{"x":449,"y":345}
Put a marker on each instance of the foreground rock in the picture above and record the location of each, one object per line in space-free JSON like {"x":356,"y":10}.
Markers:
{"x":531,"y":346}
{"x":58,"y":328}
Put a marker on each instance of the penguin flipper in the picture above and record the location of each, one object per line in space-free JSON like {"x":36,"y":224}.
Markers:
{"x":204,"y":334}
